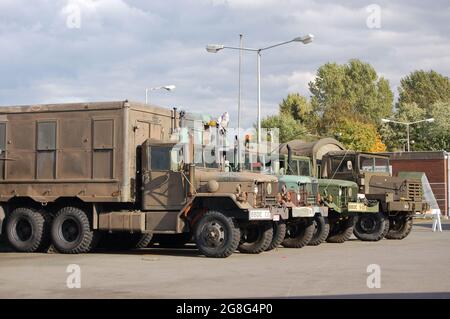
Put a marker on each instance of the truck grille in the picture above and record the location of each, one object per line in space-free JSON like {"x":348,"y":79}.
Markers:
{"x":414,"y":191}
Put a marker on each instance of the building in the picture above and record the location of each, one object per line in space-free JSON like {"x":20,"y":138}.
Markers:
{"x":434,"y":164}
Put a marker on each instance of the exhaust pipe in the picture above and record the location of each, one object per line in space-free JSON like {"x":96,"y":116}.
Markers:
{"x":191,"y":179}
{"x":289,"y":159}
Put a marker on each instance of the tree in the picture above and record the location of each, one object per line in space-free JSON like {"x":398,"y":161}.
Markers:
{"x":296,"y":106}
{"x":289,"y":128}
{"x":439,"y":132}
{"x":354,"y":86}
{"x":424,"y":89}
{"x":358,"y":136}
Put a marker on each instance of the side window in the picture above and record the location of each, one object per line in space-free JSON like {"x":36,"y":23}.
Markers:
{"x":160,"y":158}
{"x":46,"y":150}
{"x":2,"y":149}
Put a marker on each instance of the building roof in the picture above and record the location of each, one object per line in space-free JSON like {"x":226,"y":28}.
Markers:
{"x":424,"y":155}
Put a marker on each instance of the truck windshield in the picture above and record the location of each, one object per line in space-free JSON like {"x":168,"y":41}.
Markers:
{"x":374,"y":164}
{"x":340,"y":165}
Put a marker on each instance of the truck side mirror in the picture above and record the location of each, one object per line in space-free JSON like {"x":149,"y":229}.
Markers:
{"x":349,"y":165}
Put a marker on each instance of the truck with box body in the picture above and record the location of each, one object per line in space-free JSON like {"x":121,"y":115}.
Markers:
{"x":72,"y":172}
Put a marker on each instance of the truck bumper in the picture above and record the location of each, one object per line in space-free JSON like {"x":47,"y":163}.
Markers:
{"x":269,"y":213}
{"x":303,"y":212}
{"x":415,"y":207}
{"x":354,"y":207}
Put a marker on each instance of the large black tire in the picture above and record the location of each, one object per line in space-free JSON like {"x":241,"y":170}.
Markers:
{"x":257,"y":238}
{"x":321,"y":231}
{"x":216,"y":235}
{"x":400,"y":226}
{"x":370,"y":226}
{"x":72,"y":232}
{"x":173,"y":240}
{"x":299,"y":233}
{"x":279,"y":233}
{"x":27,"y":230}
{"x":341,"y":230}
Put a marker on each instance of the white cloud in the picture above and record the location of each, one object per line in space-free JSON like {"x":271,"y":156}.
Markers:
{"x":124,"y":46}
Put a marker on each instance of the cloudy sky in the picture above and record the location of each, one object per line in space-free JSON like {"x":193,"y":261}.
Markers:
{"x":113,"y":49}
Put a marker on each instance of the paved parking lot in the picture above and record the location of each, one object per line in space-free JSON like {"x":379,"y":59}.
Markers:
{"x":416,"y":267}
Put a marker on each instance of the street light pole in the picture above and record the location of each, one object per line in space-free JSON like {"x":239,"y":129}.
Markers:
{"x":214,"y":48}
{"x":258,"y":80}
{"x":407,"y":137}
{"x":239,"y":102}
{"x":408,"y":124}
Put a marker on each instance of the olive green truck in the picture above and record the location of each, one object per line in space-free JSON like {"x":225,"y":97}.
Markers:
{"x":72,"y":172}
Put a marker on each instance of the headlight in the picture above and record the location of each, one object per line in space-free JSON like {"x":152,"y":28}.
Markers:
{"x":350,"y":192}
{"x":255,"y":189}
{"x":269,"y":188}
{"x":299,"y":197}
{"x":340,"y":191}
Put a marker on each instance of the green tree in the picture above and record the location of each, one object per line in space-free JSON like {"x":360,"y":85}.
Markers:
{"x":439,"y":131}
{"x":289,"y":128}
{"x":357,"y":135}
{"x":424,"y":89}
{"x":350,"y":89}
{"x":296,"y":106}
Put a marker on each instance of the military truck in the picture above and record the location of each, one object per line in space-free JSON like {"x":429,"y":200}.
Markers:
{"x":397,"y":198}
{"x":340,"y":196}
{"x":72,"y":172}
{"x":299,"y":195}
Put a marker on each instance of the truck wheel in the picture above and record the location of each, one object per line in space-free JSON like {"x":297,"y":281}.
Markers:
{"x":341,"y":230}
{"x":27,"y":230}
{"x":299,"y":233}
{"x":279,"y":233}
{"x":257,"y":238}
{"x":216,"y":235}
{"x":71,"y":231}
{"x":321,"y":230}
{"x":173,"y":240}
{"x":370,"y":226}
{"x":399,"y":227}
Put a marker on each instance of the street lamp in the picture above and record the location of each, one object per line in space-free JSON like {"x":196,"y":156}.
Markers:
{"x":214,"y":48}
{"x":165,"y":87}
{"x":408,"y":124}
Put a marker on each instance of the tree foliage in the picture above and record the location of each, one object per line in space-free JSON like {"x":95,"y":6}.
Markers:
{"x":353,"y":88}
{"x":424,"y":89}
{"x":289,"y":128}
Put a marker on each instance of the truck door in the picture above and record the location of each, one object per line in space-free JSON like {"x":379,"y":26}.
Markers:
{"x":164,"y":187}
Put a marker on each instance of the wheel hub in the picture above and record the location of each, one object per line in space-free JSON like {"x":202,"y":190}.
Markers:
{"x":24,"y":229}
{"x":70,"y":230}
{"x":214,"y":234}
{"x":368,"y":224}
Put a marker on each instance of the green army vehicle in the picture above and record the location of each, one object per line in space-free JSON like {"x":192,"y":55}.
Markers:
{"x":124,"y":171}
{"x":397,"y":198}
{"x":339,"y":196}
{"x":299,"y":195}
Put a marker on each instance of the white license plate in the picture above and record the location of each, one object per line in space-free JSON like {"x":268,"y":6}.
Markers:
{"x":260,"y":214}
